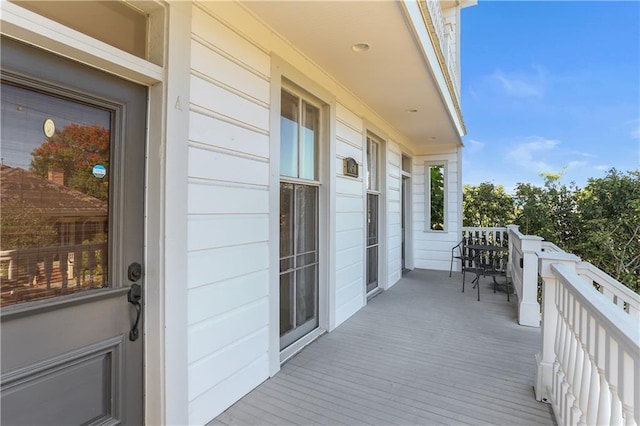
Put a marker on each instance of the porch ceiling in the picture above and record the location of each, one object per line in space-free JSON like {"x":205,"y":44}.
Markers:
{"x":392,"y":77}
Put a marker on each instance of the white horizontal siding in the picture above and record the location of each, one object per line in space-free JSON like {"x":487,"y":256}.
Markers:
{"x":228,"y":42}
{"x":226,"y":167}
{"x":432,"y":249}
{"x":394,"y":214}
{"x":349,"y":237}
{"x":209,"y":266}
{"x":247,"y":320}
{"x":227,"y":73}
{"x":347,"y":185}
{"x":218,"y":298}
{"x":207,"y":232}
{"x":206,"y":94}
{"x":206,"y":129}
{"x":205,"y":371}
{"x":228,"y":223}
{"x":205,"y":197}
{"x":222,"y":396}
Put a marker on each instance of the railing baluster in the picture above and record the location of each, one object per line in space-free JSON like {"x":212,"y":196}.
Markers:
{"x":576,"y":412}
{"x":594,"y":394}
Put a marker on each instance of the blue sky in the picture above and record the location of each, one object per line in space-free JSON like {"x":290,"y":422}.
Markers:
{"x":547,"y":86}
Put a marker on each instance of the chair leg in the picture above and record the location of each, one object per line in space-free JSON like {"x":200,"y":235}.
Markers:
{"x":451,"y":267}
{"x":478,"y":285}
{"x":463,"y":276}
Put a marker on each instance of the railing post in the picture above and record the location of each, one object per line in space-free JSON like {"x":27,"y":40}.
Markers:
{"x":511,"y":231}
{"x":528,"y":306}
{"x":547,"y":356}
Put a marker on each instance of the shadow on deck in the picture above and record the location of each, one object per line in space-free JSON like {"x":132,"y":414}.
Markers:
{"x":421,"y":353}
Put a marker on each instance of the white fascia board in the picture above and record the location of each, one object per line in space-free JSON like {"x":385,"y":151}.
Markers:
{"x":22,"y":24}
{"x":414,"y":15}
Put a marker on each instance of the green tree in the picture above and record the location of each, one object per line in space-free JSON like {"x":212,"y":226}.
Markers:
{"x":550,"y":212}
{"x":74,"y":150}
{"x":487,"y":205}
{"x":610,"y":233}
{"x":600,"y":223}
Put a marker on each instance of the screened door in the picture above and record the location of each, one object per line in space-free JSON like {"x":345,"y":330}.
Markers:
{"x":72,"y":179}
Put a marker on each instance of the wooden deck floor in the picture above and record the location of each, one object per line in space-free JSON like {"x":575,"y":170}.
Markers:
{"x":421,"y":353}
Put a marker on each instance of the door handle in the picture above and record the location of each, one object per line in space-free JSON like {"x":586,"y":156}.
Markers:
{"x":134,"y":296}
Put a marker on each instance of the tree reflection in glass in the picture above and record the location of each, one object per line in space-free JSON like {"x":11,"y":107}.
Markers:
{"x":54,"y":208}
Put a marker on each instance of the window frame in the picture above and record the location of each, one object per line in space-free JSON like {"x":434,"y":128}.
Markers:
{"x":428,"y":165}
{"x":305,"y":98}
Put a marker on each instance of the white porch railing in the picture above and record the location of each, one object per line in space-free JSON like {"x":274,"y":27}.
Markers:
{"x":23,"y":271}
{"x":437,"y":19}
{"x":589,"y":365}
{"x":490,"y":235}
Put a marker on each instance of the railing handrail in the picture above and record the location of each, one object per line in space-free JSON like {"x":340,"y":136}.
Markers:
{"x":437,"y":19}
{"x":616,"y":321}
{"x":611,"y":288}
{"x":550,"y":247}
{"x":484,"y":228}
{"x":9,"y":254}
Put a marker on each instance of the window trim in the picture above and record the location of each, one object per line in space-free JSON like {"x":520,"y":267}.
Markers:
{"x":282,"y":74}
{"x":306,"y":98}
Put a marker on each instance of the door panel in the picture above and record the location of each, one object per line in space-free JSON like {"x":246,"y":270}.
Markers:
{"x":73,"y":142}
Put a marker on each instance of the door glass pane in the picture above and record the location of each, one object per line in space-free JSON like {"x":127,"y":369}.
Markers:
{"x":286,"y":226}
{"x":306,"y":208}
{"x":309,"y":142}
{"x":55,"y":195}
{"x":286,"y":302}
{"x":372,"y":165}
{"x":306,"y":294}
{"x":289,"y":135}
{"x":372,"y":219}
{"x":372,"y":268}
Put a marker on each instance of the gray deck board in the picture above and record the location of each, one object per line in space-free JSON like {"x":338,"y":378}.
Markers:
{"x":420,"y":353}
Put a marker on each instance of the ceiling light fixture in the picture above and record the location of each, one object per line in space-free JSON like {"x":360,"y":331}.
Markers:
{"x":411,"y":111}
{"x":361,"y":47}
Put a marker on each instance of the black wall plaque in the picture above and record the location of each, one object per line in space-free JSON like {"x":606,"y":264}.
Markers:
{"x":350,"y":167}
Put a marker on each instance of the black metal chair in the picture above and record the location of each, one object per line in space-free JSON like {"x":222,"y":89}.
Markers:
{"x":473,"y":265}
{"x":460,"y":251}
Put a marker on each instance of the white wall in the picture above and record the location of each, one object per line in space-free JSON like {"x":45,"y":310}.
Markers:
{"x":394,"y":212}
{"x":432,"y":249}
{"x":228,"y":218}
{"x":232,"y":274}
{"x":350,"y":216}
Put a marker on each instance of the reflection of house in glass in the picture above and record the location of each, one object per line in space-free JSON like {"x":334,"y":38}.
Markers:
{"x":54,"y":238}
